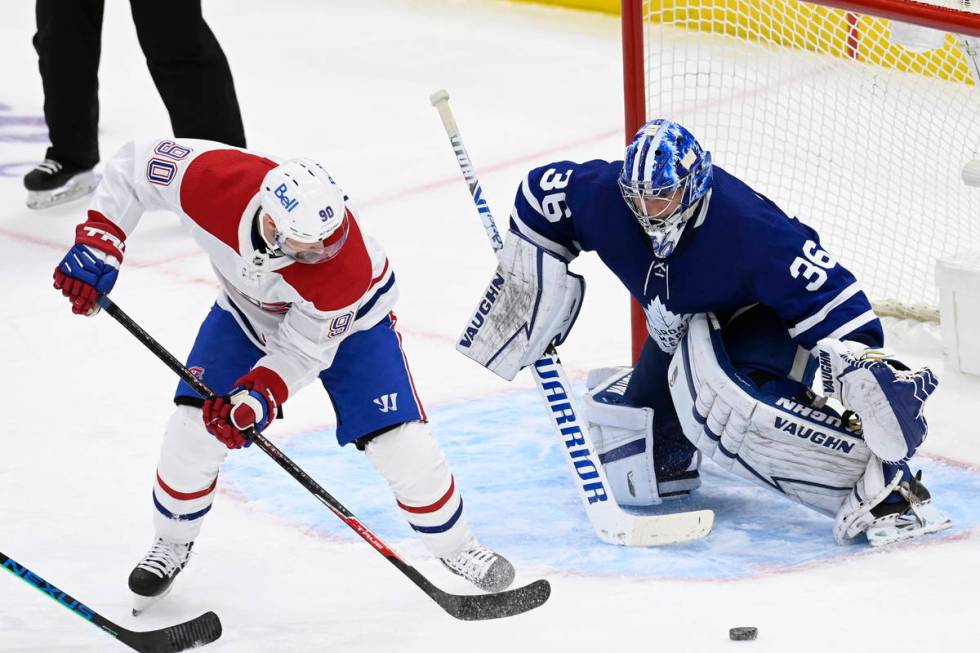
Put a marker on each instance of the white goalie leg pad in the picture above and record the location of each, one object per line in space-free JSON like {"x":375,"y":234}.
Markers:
{"x":532,"y":301}
{"x":410,"y":459}
{"x":801,"y":451}
{"x":913,"y":514}
{"x":623,"y":439}
{"x":854,"y":516}
{"x":187,"y":476}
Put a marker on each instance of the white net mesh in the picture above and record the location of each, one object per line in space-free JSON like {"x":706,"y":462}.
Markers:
{"x":817,"y":109}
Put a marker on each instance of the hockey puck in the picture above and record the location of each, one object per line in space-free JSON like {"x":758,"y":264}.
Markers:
{"x":742,"y":633}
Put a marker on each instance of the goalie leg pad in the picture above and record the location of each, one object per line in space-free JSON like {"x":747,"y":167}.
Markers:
{"x":888,"y":505}
{"x":410,"y":459}
{"x":801,"y":451}
{"x":624,"y":441}
{"x":531,"y":302}
{"x":187,"y":475}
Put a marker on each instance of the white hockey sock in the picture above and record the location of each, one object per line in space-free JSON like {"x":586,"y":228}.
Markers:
{"x":186,"y":477}
{"x":410,"y":459}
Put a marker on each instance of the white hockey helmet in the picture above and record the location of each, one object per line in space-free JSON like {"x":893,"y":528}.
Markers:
{"x":308,"y":209}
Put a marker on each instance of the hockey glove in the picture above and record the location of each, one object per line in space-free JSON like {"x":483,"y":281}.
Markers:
{"x":91,"y":266}
{"x":887,"y":396}
{"x":253,"y":402}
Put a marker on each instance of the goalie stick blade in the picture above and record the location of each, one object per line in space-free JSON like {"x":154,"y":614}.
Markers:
{"x":190,"y":634}
{"x":478,"y":607}
{"x":658,"y":530}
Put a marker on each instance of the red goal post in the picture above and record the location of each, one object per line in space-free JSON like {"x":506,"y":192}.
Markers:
{"x":744,"y":74}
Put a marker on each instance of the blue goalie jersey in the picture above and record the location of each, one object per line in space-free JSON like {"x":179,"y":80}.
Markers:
{"x":739,"y":250}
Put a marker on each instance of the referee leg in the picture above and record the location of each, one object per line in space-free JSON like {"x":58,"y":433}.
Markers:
{"x":68,"y":44}
{"x":189,"y":69}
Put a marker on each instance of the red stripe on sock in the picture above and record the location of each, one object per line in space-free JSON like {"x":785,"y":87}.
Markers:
{"x":432,"y":507}
{"x":186,"y":496}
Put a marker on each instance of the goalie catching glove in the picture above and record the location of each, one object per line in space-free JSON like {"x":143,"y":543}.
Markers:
{"x":885,"y":394}
{"x":531,"y":302}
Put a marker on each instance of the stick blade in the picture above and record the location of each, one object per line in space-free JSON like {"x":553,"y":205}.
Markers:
{"x":479,"y":607}
{"x":190,"y":634}
{"x":671,"y":529}
{"x":654,"y":530}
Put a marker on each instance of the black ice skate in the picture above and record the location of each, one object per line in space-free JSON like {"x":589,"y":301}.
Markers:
{"x":489,"y":571}
{"x":915,"y":515}
{"x":52,"y":183}
{"x":152,"y":578}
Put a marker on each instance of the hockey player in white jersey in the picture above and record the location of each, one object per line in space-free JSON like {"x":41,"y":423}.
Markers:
{"x":305,"y":295}
{"x":741,"y":302}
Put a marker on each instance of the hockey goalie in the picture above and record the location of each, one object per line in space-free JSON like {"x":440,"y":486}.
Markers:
{"x":744,"y":309}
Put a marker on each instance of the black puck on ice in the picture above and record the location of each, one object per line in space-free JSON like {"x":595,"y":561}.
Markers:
{"x":742,"y":633}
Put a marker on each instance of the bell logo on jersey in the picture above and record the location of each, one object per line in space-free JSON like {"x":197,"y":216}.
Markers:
{"x":284,"y":199}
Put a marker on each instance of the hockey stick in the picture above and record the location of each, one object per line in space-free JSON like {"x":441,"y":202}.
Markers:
{"x":611,"y":523}
{"x":462,"y":606}
{"x":196,"y":632}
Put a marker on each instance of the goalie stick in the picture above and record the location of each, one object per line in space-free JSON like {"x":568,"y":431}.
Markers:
{"x":611,"y":523}
{"x":190,"y":634}
{"x":467,"y":607}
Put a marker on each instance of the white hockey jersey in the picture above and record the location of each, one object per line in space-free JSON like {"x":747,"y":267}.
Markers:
{"x":297,"y":314}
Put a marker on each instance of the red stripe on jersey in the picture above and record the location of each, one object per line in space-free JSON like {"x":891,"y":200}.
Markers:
{"x":338,"y":282}
{"x":217,"y":187}
{"x":186,"y":496}
{"x":381,"y":276}
{"x":432,"y":507}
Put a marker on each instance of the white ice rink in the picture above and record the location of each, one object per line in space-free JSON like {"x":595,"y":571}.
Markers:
{"x":347,"y":82}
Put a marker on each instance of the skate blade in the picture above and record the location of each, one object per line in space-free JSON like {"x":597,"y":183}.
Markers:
{"x":79,"y":186}
{"x":142,"y":603}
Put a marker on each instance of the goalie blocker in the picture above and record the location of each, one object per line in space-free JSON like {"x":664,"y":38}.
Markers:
{"x":531,"y":302}
{"x":807,"y":452}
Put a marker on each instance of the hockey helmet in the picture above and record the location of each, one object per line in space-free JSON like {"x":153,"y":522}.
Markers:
{"x":665,"y":174}
{"x":308,"y":209}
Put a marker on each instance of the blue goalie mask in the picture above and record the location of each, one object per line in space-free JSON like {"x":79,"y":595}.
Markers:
{"x":665,"y":174}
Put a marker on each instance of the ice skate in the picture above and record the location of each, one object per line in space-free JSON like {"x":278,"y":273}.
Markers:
{"x":915,"y":515}
{"x":489,"y":571}
{"x":52,"y":183}
{"x":153,"y":577}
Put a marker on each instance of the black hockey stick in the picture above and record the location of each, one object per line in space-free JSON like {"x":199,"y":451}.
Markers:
{"x":462,"y":606}
{"x":196,"y":632}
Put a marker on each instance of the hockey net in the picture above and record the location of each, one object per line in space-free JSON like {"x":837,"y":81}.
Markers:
{"x":819,"y":108}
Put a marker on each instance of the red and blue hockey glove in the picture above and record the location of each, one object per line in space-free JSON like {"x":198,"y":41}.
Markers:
{"x":91,"y":266}
{"x":253,"y":402}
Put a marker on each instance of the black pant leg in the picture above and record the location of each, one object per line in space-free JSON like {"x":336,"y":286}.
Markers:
{"x":68,"y":44}
{"x":189,"y":69}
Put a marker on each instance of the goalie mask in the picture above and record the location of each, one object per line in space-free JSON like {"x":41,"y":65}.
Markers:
{"x":308,"y":209}
{"x":665,"y":174}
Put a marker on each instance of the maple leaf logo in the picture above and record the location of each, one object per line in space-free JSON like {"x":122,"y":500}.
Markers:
{"x":665,"y":327}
